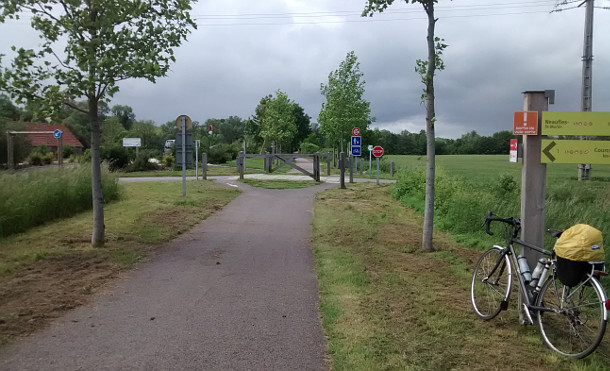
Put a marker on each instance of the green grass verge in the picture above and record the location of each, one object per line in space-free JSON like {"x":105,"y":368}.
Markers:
{"x":387,"y":306}
{"x":147,"y":213}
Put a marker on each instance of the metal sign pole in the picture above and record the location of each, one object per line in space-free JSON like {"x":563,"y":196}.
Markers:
{"x":377,"y":170}
{"x":196,"y":160}
{"x":183,"y":156}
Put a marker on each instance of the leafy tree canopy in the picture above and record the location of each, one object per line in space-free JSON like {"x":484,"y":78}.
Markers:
{"x":345,"y":106}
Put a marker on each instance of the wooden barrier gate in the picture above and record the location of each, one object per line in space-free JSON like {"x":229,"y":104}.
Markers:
{"x":285,"y":159}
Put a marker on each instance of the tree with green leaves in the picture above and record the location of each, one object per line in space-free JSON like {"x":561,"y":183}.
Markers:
{"x":279,"y":122}
{"x":345,"y":106}
{"x":125,"y":115}
{"x":88,"y":46}
{"x":427,"y":70}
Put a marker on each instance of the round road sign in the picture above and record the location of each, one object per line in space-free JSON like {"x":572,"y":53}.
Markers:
{"x":57,"y":133}
{"x":356,"y":132}
{"x":377,"y":151}
{"x":188,"y":123}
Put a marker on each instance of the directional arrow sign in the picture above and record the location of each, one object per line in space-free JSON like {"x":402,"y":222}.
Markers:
{"x":575,"y":151}
{"x":547,"y":151}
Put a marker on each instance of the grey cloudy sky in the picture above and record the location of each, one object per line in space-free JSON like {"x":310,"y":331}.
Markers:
{"x":244,"y":50}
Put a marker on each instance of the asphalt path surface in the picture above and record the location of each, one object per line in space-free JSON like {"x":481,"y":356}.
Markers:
{"x":237,"y":292}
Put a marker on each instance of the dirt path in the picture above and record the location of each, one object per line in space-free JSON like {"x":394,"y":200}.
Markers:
{"x":238,"y":292}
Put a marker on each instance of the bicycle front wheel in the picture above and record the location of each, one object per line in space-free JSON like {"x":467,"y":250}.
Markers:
{"x":574,"y":323}
{"x":491,"y":282}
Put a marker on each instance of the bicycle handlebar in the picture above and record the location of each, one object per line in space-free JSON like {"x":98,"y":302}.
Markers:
{"x":516,"y":223}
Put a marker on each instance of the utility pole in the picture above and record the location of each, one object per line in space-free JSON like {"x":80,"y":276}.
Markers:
{"x":584,"y":170}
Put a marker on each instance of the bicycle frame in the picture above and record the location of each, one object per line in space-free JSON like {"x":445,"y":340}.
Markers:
{"x":529,"y":301}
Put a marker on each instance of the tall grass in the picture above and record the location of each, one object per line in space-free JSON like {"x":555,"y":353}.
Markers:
{"x":31,"y":198}
{"x":462,"y":203}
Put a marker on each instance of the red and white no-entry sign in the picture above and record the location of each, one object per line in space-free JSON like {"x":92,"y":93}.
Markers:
{"x":377,"y":151}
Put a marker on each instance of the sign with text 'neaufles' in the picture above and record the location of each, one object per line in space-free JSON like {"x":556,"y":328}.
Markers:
{"x":576,"y":123}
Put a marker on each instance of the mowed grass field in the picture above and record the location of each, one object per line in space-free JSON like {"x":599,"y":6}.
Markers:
{"x":388,"y":306}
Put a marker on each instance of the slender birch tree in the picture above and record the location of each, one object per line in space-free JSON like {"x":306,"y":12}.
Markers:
{"x":87,"y":47}
{"x":426,"y":70}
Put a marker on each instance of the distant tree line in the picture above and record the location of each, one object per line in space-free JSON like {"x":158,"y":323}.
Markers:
{"x":471,"y":143}
{"x":277,"y":120}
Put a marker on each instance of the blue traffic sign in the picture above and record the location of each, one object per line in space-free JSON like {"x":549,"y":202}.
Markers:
{"x":356,"y":141}
{"x":356,"y":150}
{"x":57,"y":133}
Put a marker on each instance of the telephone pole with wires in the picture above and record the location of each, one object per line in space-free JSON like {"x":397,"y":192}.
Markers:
{"x":584,"y":170}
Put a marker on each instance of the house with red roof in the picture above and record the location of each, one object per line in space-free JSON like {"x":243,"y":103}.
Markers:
{"x":45,"y":137}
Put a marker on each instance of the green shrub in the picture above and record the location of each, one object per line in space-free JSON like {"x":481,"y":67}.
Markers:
{"x":35,"y":159}
{"x":31,"y":198}
{"x":168,"y":160}
{"x":48,"y":158}
{"x":142,"y":163}
{"x":115,"y":155}
{"x":68,"y":151}
{"x":221,"y":153}
{"x":307,"y":148}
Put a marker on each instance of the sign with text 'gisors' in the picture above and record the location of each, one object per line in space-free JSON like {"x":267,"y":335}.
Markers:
{"x":575,"y":151}
{"x":377,"y":151}
{"x":576,"y":123}
{"x":525,"y":123}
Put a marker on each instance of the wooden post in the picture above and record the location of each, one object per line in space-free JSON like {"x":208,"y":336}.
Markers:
{"x":204,"y":166}
{"x":392,"y":169}
{"x":533,"y":179}
{"x":328,"y":164}
{"x":240,"y":164}
{"x":10,"y":151}
{"x":60,"y":151}
{"x":351,"y":168}
{"x":533,"y":188}
{"x":342,"y":170}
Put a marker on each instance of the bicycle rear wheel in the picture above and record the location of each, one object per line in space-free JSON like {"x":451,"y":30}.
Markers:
{"x":491,"y":282}
{"x":576,"y":324}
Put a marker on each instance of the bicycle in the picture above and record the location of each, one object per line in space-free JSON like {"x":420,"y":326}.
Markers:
{"x":572,"y":320}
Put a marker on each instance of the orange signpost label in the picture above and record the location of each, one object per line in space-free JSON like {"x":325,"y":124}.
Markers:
{"x":525,"y":123}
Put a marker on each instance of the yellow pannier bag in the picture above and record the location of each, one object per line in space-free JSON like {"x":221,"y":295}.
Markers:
{"x":581,"y":243}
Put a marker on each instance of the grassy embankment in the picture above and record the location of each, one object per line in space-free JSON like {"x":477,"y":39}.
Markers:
{"x":52,"y":268}
{"x":386,"y":305}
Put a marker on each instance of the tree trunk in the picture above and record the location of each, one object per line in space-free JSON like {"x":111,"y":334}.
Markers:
{"x":97,"y":236}
{"x":427,"y":244}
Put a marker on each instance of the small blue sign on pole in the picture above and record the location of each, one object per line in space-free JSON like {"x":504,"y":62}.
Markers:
{"x":356,"y":150}
{"x":57,"y":133}
{"x":356,"y":141}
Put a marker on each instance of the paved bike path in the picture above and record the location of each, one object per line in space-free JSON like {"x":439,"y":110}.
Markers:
{"x":238,"y":292}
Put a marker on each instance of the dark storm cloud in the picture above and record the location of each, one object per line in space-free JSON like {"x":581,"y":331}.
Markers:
{"x":228,"y":65}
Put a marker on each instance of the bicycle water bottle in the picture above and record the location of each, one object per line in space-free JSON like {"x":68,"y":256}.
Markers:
{"x":524,"y":268}
{"x":537,"y":272}
{"x":545,"y":270}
